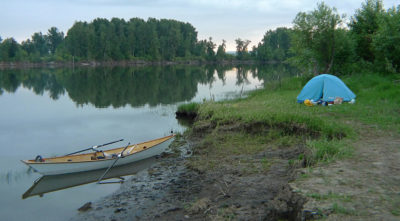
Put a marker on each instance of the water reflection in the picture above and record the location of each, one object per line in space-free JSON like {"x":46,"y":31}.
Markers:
{"x":47,"y":184}
{"x":10,"y":177}
{"x":134,"y":86}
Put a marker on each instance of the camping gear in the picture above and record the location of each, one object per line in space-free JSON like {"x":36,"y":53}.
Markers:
{"x":327,"y":88}
{"x":308,"y":103}
{"x":338,"y":100}
{"x":99,"y":159}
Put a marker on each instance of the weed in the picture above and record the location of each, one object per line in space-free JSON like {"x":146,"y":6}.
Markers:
{"x":266,"y":164}
{"x":325,"y":150}
{"x":395,"y":205}
{"x":199,"y":205}
{"x":224,"y":214}
{"x":395,"y":212}
{"x":304,"y":175}
{"x":330,"y":196}
{"x":342,"y":210}
{"x":188,"y":108}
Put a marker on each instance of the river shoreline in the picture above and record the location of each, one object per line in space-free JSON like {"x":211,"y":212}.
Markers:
{"x":127,"y":63}
{"x":172,"y":190}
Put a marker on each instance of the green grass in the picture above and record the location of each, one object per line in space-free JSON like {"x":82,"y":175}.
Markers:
{"x":327,"y":150}
{"x":277,"y":110}
{"x":395,"y":212}
{"x":343,"y":210}
{"x":328,"y":132}
{"x":330,"y":195}
{"x":189,"y":108}
{"x":378,"y":100}
{"x":233,"y":148}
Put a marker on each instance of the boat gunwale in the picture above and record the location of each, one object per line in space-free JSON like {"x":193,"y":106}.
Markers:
{"x":28,"y":162}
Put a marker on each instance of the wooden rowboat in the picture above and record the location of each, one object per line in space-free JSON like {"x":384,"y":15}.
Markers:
{"x":100,"y":159}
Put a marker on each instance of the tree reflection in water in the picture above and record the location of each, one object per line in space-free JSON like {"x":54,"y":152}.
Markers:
{"x":134,"y":86}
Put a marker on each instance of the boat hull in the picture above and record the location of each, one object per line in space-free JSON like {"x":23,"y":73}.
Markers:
{"x":75,"y":167}
{"x":46,"y":184}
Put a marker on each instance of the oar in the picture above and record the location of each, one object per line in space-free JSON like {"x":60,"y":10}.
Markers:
{"x":115,"y":161}
{"x":95,"y":147}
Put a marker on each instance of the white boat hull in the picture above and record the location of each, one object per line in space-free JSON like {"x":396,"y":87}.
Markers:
{"x":46,"y":184}
{"x":74,"y":167}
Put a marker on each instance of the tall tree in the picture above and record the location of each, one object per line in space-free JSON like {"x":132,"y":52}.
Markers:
{"x":189,"y":38}
{"x":314,"y":39}
{"x":363,"y":26}
{"x":9,"y":50}
{"x":210,"y":49}
{"x":40,"y":44}
{"x":153,"y":44}
{"x":28,"y":47}
{"x":241,"y":48}
{"x":77,"y":40}
{"x":274,"y":45}
{"x":386,"y":40}
{"x":54,"y":38}
{"x":221,"y":51}
{"x":201,"y":48}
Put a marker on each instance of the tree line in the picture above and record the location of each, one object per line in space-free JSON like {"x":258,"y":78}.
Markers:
{"x":320,"y":41}
{"x":115,"y":40}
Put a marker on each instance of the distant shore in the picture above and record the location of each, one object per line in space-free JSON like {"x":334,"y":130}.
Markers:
{"x":126,"y":63}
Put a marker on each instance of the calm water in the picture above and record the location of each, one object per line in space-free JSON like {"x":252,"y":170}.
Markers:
{"x":56,"y":111}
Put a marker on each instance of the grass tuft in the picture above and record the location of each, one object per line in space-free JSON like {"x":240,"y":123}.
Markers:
{"x":338,"y":209}
{"x":189,"y":107}
{"x":328,"y":150}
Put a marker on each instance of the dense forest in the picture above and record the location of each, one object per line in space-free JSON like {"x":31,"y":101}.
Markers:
{"x":320,"y":41}
{"x":115,"y":40}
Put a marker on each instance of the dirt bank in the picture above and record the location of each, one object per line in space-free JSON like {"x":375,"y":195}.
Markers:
{"x":364,"y":187}
{"x":175,"y":190}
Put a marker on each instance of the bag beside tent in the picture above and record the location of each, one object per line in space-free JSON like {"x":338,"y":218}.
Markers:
{"x":325,"y":87}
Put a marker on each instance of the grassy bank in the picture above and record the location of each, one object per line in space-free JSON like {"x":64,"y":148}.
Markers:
{"x":271,"y":118}
{"x":249,"y":148}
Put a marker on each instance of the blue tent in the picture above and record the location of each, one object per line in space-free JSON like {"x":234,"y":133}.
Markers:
{"x":325,"y":87}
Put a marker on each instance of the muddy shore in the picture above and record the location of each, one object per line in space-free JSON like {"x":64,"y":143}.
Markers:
{"x":363,"y":187}
{"x":172,"y":190}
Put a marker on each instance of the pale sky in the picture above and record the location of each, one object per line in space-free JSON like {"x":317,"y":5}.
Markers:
{"x":219,"y":19}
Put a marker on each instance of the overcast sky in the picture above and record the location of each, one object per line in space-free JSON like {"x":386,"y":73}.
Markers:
{"x":219,"y":19}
